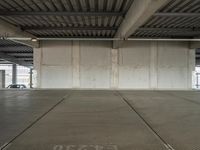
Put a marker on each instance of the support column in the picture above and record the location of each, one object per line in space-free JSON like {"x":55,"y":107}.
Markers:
{"x":76,"y":64}
{"x":154,"y":66}
{"x":2,"y":78}
{"x":37,"y":63}
{"x":31,"y":78}
{"x":191,"y":68}
{"x":114,"y":68}
{"x":14,"y":74}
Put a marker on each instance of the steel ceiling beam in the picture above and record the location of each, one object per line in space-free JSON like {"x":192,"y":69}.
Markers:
{"x":162,"y":14}
{"x":198,"y":55}
{"x":15,"y":48}
{"x":25,"y":59}
{"x":13,"y":59}
{"x":63,"y":13}
{"x":170,"y":30}
{"x":20,"y":54}
{"x":68,"y":28}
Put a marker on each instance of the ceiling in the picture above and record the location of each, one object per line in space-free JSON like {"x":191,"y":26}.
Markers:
{"x":66,"y":18}
{"x":99,"y":18}
{"x":178,"y":19}
{"x":15,"y":52}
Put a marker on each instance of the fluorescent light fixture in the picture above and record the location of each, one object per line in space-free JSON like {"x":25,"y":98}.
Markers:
{"x":34,"y":40}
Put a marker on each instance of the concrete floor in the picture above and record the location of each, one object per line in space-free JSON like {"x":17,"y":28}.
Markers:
{"x":99,"y":120}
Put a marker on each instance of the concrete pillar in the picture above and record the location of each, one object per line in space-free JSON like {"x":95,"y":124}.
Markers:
{"x":37,"y":61}
{"x":191,"y":68}
{"x":2,"y":79}
{"x":76,"y":64}
{"x":31,"y":78}
{"x":14,"y":74}
{"x":114,"y":68}
{"x":154,"y":66}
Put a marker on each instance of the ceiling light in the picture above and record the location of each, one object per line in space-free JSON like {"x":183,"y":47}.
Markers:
{"x":34,"y":40}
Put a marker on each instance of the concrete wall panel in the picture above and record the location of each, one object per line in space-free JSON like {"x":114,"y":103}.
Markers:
{"x":95,"y":64}
{"x":134,"y":60}
{"x":172,"y":65}
{"x":56,"y":77}
{"x":56,"y":68}
{"x":56,"y":53}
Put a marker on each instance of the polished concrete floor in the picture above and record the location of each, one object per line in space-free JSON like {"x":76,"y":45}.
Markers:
{"x":99,"y":120}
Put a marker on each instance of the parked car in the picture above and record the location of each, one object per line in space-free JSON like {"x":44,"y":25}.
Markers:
{"x":16,"y":86}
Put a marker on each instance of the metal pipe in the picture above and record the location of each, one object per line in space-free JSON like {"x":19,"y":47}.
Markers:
{"x":67,"y":39}
{"x":103,"y":39}
{"x":80,"y":39}
{"x":19,"y":38}
{"x":148,"y":39}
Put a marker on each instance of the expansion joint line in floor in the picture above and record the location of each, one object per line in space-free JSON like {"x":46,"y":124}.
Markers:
{"x":168,"y":146}
{"x":6,"y":145}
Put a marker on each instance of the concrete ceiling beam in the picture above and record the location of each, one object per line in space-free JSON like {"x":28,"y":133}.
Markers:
{"x":8,"y":30}
{"x":139,"y":12}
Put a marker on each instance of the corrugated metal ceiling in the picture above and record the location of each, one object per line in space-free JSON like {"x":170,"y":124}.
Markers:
{"x":16,"y":51}
{"x":60,"y":18}
{"x":178,"y":19}
{"x":99,"y":18}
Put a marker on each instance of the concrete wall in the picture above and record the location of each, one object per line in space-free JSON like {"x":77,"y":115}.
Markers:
{"x":172,"y":65}
{"x":134,"y":68}
{"x":94,"y":64}
{"x":56,"y":65}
